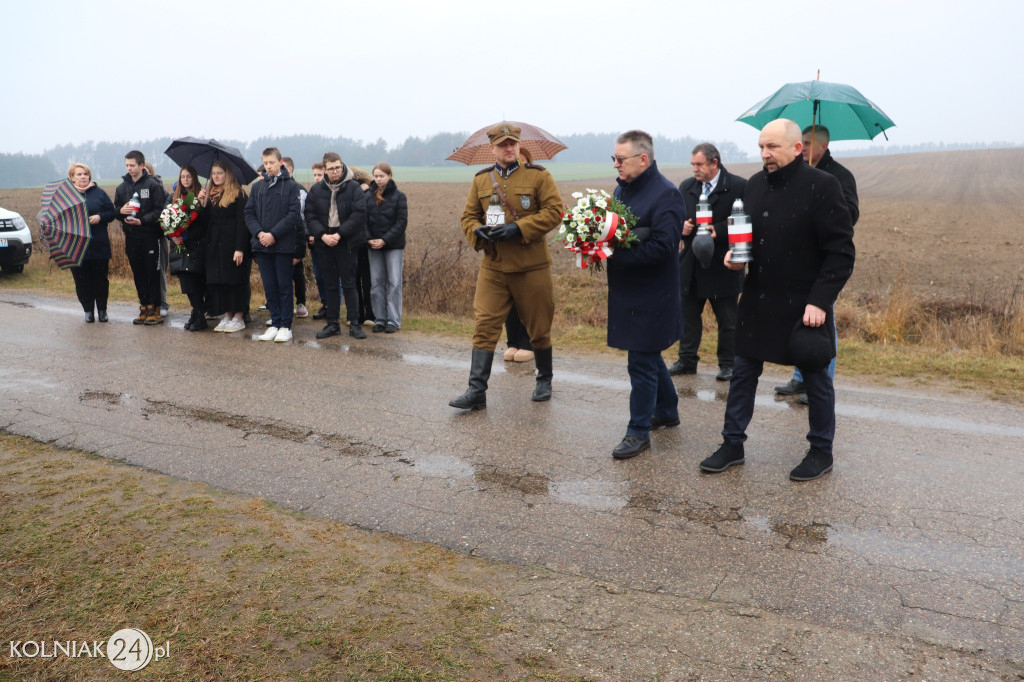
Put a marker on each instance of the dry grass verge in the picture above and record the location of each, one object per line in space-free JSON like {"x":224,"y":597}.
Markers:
{"x":242,"y":589}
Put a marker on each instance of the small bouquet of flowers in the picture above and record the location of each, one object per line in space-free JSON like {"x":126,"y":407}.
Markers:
{"x":178,"y":215}
{"x":596,"y":226}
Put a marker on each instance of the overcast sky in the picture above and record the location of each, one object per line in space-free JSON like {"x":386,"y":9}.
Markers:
{"x":126,"y":70}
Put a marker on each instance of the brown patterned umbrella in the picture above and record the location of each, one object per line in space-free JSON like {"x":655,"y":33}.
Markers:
{"x":477,"y":148}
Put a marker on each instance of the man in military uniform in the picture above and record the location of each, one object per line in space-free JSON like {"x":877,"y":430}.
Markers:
{"x":516,"y":265}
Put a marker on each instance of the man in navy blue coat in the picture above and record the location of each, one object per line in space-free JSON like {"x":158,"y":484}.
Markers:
{"x":643,"y":290}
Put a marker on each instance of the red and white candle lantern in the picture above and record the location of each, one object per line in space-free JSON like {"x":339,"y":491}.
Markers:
{"x":741,"y":234}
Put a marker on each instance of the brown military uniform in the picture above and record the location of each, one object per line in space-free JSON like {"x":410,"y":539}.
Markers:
{"x":520,"y":269}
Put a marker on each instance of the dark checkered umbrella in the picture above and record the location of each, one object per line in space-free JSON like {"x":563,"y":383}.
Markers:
{"x":64,"y":223}
{"x":477,"y":148}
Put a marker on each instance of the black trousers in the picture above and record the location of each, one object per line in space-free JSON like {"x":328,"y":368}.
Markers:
{"x":92,"y":284}
{"x":299,"y":282}
{"x":726,"y":311}
{"x":515,"y":331}
{"x":362,"y":283}
{"x":739,"y":407}
{"x":338,"y":262}
{"x":143,"y":253}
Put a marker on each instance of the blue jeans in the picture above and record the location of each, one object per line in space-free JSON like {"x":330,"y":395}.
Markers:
{"x":798,"y":375}
{"x":739,"y":409}
{"x":386,"y":285}
{"x":276,"y":273}
{"x":652,"y":395}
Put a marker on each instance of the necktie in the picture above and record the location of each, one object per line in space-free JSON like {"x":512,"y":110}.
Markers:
{"x":707,"y":189}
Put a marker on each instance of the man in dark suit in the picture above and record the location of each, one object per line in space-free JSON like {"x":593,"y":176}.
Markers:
{"x":802,"y":257}
{"x":643,"y":290}
{"x":716,"y":284}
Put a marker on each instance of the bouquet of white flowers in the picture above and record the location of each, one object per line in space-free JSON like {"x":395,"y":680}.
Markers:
{"x":596,"y":226}
{"x":178,"y":215}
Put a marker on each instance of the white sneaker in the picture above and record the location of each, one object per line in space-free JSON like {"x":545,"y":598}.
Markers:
{"x":234,"y":326}
{"x":300,"y":310}
{"x":283,"y":334}
{"x":222,"y":325}
{"x":268,"y":335}
{"x":270,"y":323}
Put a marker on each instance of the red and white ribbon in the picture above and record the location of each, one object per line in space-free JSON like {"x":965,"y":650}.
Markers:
{"x":591,"y":253}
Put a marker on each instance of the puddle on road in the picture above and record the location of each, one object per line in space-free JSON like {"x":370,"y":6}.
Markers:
{"x":704,"y":395}
{"x":441,"y":466}
{"x":591,"y":493}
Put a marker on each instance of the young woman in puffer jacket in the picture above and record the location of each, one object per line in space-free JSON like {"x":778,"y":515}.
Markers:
{"x":387,"y":218}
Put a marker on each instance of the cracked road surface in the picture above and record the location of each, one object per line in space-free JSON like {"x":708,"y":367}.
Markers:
{"x":918,"y":532}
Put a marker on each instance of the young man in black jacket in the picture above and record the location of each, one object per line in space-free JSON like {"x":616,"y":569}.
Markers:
{"x":273,"y":216}
{"x":142,"y":233}
{"x":336,"y":219}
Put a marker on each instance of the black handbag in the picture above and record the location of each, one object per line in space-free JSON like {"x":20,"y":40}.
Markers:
{"x":184,"y":261}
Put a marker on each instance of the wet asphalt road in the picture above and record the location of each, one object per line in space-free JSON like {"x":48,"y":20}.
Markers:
{"x":918,"y":532}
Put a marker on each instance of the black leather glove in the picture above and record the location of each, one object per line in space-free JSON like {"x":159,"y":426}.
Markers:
{"x":483,"y":233}
{"x":642,"y":233}
{"x":502,"y":233}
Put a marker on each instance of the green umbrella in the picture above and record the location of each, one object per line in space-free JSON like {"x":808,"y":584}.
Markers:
{"x":846,"y":113}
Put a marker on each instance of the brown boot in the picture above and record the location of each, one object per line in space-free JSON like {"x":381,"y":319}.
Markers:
{"x":143,"y":312}
{"x":153,"y":315}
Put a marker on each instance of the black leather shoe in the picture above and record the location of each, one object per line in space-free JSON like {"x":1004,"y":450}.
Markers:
{"x":377,"y":328}
{"x":679,"y":367}
{"x":803,"y":399}
{"x":320,"y":314}
{"x":631,"y":446}
{"x":102,"y":316}
{"x":816,"y":464}
{"x":727,"y":455}
{"x":390,"y":329}
{"x":355,"y":331}
{"x":89,"y":317}
{"x":724,"y":374}
{"x":200,"y":324}
{"x":657,"y":423}
{"x":792,"y":387}
{"x":332,"y":329}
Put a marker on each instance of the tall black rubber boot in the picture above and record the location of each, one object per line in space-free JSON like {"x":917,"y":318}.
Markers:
{"x":475,"y":397}
{"x":542,"y":356}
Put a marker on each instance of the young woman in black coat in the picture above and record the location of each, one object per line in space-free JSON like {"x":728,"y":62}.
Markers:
{"x":192,"y":243}
{"x":228,"y":257}
{"x":92,"y":284}
{"x":387,"y":216}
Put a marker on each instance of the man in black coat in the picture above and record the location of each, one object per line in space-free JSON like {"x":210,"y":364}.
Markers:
{"x":336,"y":218}
{"x":142,"y":233}
{"x":816,"y":153}
{"x":644,"y":315}
{"x":802,"y":257}
{"x":717,"y":284}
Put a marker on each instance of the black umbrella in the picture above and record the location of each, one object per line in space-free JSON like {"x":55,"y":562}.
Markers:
{"x":200,"y":154}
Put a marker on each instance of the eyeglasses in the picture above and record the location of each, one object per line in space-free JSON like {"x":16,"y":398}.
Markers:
{"x":620,"y":159}
{"x":333,"y":169}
